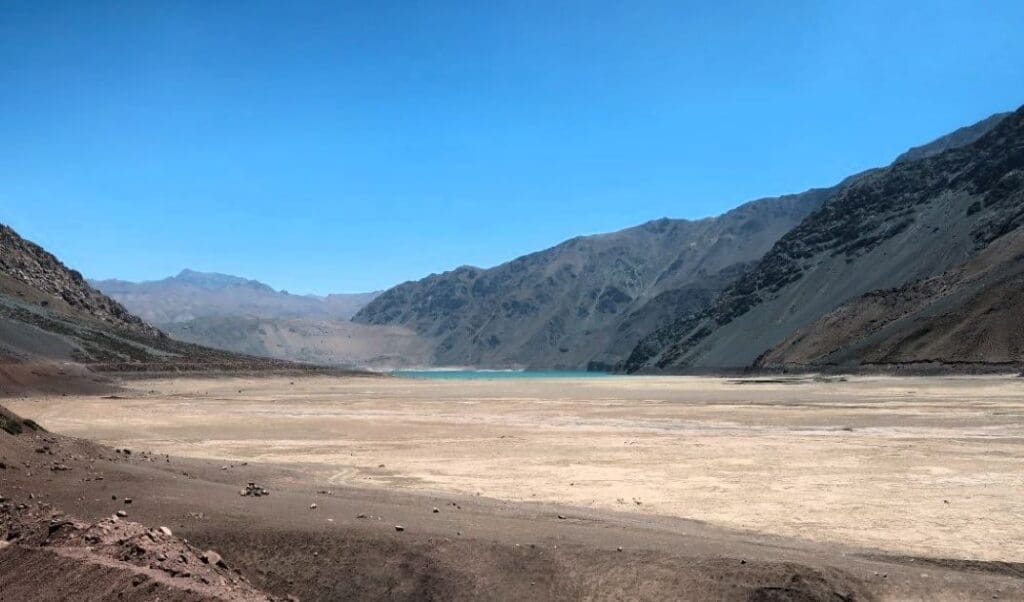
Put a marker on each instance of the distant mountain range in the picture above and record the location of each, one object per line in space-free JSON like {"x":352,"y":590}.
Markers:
{"x":247,"y":316}
{"x":721,"y":292}
{"x":192,"y":294}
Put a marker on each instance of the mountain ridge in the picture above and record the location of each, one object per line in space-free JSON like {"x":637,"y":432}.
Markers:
{"x":912,"y":220}
{"x":521,"y":313}
{"x":468,"y":312}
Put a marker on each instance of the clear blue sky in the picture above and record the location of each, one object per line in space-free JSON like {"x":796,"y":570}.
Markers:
{"x":350,"y":146}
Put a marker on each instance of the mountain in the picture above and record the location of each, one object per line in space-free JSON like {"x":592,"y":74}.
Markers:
{"x":249,"y":317}
{"x":587,"y":301}
{"x":48,"y":312}
{"x":969,"y":317}
{"x":910,"y":222}
{"x":192,"y":294}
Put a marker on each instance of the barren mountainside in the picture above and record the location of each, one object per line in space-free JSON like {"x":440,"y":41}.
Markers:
{"x":590,"y":301}
{"x":911,"y":221}
{"x":969,"y":317}
{"x":28,"y":271}
{"x":48,"y":312}
{"x":587,"y":301}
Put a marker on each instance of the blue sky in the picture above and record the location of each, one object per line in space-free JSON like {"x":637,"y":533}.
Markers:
{"x":350,"y":146}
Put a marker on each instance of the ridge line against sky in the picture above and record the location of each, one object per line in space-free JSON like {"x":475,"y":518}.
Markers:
{"x":348,"y":147}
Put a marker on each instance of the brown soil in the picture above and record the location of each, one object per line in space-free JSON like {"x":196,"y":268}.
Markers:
{"x":347,"y":547}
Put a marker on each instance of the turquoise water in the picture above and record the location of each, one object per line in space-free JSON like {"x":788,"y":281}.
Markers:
{"x":497,"y":374}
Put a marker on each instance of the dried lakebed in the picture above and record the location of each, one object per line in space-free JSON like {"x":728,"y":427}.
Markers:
{"x":920,"y":466}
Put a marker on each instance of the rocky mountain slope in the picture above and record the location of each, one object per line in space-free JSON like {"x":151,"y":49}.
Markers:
{"x":911,"y":221}
{"x":28,"y":271}
{"x":48,"y":312}
{"x":247,"y":316}
{"x":588,"y":300}
{"x":968,"y":317}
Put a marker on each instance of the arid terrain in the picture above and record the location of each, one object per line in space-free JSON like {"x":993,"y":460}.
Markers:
{"x":922,"y":466}
{"x":637,"y":488}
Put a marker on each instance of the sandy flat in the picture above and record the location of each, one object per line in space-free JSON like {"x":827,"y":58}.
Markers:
{"x":905,"y":465}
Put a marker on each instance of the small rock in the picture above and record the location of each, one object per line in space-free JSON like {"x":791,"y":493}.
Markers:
{"x":165,"y":531}
{"x":561,"y":517}
{"x":399,"y":528}
{"x":121,"y":514}
{"x":619,"y":548}
{"x":211,"y":557}
{"x":361,"y":515}
{"x":127,"y":500}
{"x":312,"y":506}
{"x":436,"y":510}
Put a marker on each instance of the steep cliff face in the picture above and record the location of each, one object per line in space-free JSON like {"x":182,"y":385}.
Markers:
{"x":586,"y":301}
{"x":910,"y":221}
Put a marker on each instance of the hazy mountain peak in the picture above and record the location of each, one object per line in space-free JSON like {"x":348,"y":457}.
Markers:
{"x":215,"y":280}
{"x":193,"y":294}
